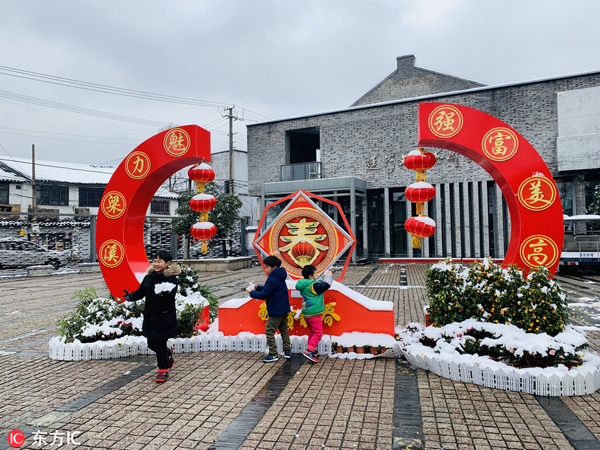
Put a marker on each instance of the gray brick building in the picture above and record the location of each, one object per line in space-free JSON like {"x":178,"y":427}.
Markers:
{"x":355,"y":157}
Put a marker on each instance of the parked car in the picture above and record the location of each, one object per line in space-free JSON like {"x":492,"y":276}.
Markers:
{"x":22,"y":253}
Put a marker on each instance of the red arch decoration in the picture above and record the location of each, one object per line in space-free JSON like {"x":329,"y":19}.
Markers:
{"x":120,"y":225}
{"x":537,"y":227}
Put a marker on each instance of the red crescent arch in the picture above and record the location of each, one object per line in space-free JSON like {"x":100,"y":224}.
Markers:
{"x":537,"y":231}
{"x":122,"y":238}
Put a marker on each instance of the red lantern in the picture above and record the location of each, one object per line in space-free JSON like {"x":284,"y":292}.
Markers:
{"x":201,"y":174}
{"x":203,"y":231}
{"x":304,"y":253}
{"x":419,"y":160}
{"x":419,"y":192}
{"x":419,"y":227}
{"x":203,"y":203}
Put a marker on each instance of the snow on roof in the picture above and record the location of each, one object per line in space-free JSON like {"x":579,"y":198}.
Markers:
{"x":65,"y":172}
{"x":7,"y":176}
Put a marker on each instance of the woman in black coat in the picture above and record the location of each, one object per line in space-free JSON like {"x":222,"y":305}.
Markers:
{"x":160,"y":316}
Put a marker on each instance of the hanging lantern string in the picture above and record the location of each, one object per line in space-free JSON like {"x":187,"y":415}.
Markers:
{"x":419,"y":193}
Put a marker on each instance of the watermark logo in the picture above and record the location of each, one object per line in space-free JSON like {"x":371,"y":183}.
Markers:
{"x":56,"y":438}
{"x":16,"y":438}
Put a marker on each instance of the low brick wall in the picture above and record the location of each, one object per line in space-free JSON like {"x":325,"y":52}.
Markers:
{"x":39,"y":271}
{"x":218,"y":264}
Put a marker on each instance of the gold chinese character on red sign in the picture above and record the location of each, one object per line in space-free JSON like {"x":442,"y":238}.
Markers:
{"x":537,"y":193}
{"x":177,"y":142}
{"x":445,"y":121}
{"x":137,"y":165}
{"x":111,"y":253}
{"x":113,"y":204}
{"x":500,"y":144}
{"x":539,"y":251}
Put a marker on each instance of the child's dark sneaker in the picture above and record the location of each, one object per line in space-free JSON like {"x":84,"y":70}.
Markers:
{"x":162,"y":375}
{"x":287,"y":354}
{"x":270,"y":358}
{"x":171,"y":360}
{"x":313,"y":356}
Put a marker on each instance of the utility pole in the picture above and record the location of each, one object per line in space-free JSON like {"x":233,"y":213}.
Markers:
{"x":34,"y":225}
{"x":231,"y":118}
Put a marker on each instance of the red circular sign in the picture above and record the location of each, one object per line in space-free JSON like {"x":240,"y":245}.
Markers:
{"x":539,"y":250}
{"x":113,"y":204}
{"x":445,"y":121}
{"x":537,"y":193}
{"x":137,"y":165}
{"x":111,"y":253}
{"x":500,"y":144}
{"x":177,"y":142}
{"x":303,"y":237}
{"x":16,"y":438}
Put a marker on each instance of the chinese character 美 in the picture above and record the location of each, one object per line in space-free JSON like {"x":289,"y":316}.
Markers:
{"x":372,"y":163}
{"x":536,"y":193}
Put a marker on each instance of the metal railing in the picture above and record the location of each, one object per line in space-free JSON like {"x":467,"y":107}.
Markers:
{"x":301,"y":171}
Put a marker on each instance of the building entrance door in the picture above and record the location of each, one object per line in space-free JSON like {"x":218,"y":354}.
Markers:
{"x":399,"y":236}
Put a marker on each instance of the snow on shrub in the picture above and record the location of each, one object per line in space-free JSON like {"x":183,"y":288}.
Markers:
{"x":502,"y":342}
{"x":490,"y":293}
{"x":98,"y":318}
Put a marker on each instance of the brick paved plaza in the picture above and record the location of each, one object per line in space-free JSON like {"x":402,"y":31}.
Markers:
{"x":226,"y":400}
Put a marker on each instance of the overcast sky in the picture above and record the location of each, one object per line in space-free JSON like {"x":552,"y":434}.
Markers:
{"x":271,"y":59}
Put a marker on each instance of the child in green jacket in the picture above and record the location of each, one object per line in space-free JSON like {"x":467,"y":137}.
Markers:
{"x":313,"y":306}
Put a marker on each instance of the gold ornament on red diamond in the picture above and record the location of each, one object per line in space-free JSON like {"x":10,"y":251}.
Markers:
{"x":419,"y":193}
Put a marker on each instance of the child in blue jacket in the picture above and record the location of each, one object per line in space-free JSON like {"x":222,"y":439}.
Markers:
{"x":275,"y":294}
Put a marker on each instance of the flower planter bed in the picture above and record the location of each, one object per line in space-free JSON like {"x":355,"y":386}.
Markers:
{"x":206,"y":342}
{"x":442,"y":351}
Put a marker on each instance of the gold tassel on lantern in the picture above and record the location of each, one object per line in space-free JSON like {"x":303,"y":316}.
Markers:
{"x":416,"y":242}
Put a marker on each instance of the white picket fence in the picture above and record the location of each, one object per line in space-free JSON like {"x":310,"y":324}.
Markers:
{"x":571,"y":383}
{"x":203,"y":343}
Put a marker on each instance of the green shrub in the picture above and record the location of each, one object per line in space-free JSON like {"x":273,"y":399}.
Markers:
{"x":190,"y":282}
{"x":490,"y":293}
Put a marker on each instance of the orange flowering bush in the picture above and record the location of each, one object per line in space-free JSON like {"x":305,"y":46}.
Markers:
{"x":491,"y":293}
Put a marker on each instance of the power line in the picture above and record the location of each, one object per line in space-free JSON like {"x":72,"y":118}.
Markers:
{"x":69,"y":82}
{"x":78,"y":84}
{"x":78,"y":109}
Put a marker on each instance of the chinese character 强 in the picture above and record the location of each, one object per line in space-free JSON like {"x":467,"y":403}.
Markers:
{"x":444,"y":121}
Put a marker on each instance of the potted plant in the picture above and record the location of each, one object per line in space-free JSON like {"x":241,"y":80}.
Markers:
{"x":349,"y":349}
{"x":374,"y":350}
{"x":337,"y":347}
{"x":366,"y":349}
{"x":360,"y":349}
{"x":381,"y":349}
